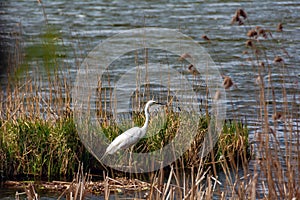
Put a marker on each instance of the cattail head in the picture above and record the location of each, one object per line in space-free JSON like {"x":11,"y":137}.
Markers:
{"x":252,"y":33}
{"x":262,"y":33}
{"x":205,"y":37}
{"x":249,"y":43}
{"x":276,"y":116}
{"x":279,"y":27}
{"x":192,"y":69}
{"x":227,"y":83}
{"x":278,"y":59}
{"x":235,"y":18}
{"x":241,"y":13}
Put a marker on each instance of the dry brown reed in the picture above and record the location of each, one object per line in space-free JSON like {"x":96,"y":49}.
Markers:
{"x":29,"y":192}
{"x":184,"y":56}
{"x":275,"y":163}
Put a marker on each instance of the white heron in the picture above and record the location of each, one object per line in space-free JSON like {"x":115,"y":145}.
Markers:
{"x":131,"y":136}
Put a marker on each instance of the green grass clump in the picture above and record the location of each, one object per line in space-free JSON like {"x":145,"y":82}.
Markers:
{"x":232,"y":143}
{"x":40,"y":148}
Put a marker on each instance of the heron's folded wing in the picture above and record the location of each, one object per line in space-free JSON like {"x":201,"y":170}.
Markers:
{"x":130,"y":137}
{"x":125,"y":140}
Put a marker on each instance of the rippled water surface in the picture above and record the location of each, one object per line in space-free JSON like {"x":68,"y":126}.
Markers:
{"x":84,"y":24}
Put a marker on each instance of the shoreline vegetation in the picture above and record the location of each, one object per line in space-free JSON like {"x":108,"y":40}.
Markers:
{"x":39,"y":140}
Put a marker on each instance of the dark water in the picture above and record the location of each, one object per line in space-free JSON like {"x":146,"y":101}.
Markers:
{"x":10,"y":194}
{"x":84,"y":24}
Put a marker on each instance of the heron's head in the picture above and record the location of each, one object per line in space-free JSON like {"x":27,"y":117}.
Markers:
{"x":149,"y":103}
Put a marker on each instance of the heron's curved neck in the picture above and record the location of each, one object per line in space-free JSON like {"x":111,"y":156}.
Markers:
{"x":147,"y":118}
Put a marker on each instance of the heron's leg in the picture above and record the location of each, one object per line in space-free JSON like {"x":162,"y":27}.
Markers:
{"x":130,"y":161}
{"x":130,"y":156}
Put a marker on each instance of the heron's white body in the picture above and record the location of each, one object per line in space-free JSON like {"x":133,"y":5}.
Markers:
{"x":126,"y":140}
{"x":131,"y":136}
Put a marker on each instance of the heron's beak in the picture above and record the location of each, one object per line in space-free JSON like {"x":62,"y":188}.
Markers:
{"x":162,"y":104}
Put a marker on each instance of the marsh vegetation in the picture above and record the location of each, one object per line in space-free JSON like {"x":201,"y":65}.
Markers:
{"x":39,"y":139}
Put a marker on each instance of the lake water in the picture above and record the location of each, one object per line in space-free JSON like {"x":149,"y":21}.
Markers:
{"x":84,"y":24}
